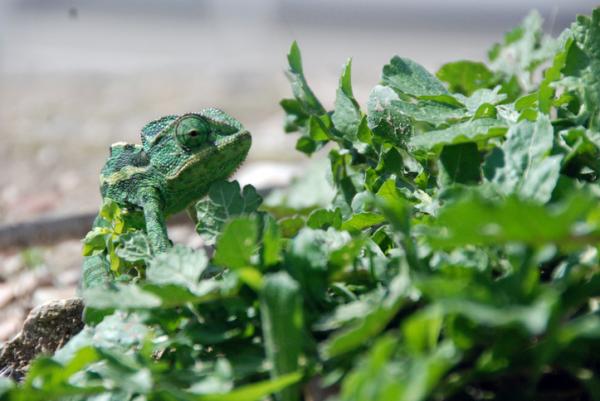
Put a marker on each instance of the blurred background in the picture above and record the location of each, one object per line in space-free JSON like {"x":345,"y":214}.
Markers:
{"x":77,"y":75}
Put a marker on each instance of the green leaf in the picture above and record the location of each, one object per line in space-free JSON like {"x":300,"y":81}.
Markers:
{"x":118,"y":332}
{"x":122,"y":296}
{"x":306,"y":145}
{"x":429,"y":111}
{"x":478,"y":130}
{"x":360,"y":221}
{"x":480,"y":221}
{"x":405,"y":76}
{"x":282,"y":325}
{"x":422,"y":330}
{"x":425,"y":373}
{"x":447,"y":100}
{"x":466,"y":76}
{"x":291,"y":225}
{"x":524,"y":49}
{"x":347,"y":115}
{"x":585,"y":56}
{"x":307,"y":256}
{"x":375,"y":377}
{"x":6,"y":385}
{"x":51,"y":379}
{"x":272,"y":242}
{"x":177,"y":269}
{"x":371,"y":323}
{"x":223,"y":202}
{"x":534,"y":318}
{"x":135,"y":248}
{"x":460,"y":164}
{"x":95,"y":241}
{"x":385,"y":120}
{"x":523,"y":165}
{"x":394,"y":206}
{"x":323,"y":218}
{"x":486,"y":110}
{"x":318,"y":130}
{"x":300,"y":88}
{"x":253,"y":392}
{"x":295,"y":116}
{"x":482,"y":97}
{"x":237,"y":244}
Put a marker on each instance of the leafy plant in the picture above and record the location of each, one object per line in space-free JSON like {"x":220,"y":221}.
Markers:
{"x":456,"y":258}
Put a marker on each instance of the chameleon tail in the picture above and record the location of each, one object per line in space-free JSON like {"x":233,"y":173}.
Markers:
{"x":96,"y":271}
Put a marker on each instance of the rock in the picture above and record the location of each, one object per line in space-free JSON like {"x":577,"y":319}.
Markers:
{"x":47,"y":328}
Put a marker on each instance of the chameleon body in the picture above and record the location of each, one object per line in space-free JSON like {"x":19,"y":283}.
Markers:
{"x":180,"y":157}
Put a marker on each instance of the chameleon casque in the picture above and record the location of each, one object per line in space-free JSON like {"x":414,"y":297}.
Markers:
{"x":180,"y":157}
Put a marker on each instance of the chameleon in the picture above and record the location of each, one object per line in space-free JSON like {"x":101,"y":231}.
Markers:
{"x":178,"y":160}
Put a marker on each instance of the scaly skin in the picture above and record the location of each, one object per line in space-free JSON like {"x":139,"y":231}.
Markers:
{"x":180,"y":157}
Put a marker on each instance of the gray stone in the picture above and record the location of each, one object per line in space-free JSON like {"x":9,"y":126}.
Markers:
{"x":47,"y":328}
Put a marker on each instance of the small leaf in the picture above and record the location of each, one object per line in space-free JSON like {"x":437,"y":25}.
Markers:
{"x":255,"y":391}
{"x":135,"y":248}
{"x":122,"y":297}
{"x":272,"y":241}
{"x":371,"y":324}
{"x":291,"y":225}
{"x":477,"y":220}
{"x":282,"y":325}
{"x":466,"y":76}
{"x":237,"y":243}
{"x":180,"y":266}
{"x":422,"y":330}
{"x":223,"y":202}
{"x":523,"y":166}
{"x":360,"y":221}
{"x":323,"y":218}
{"x":384,"y":119}
{"x":429,"y":111}
{"x":478,"y":130}
{"x":460,"y":164}
{"x":347,"y":115}
{"x":302,"y":91}
{"x":406,"y":76}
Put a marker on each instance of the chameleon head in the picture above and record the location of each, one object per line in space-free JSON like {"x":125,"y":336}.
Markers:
{"x":195,"y":149}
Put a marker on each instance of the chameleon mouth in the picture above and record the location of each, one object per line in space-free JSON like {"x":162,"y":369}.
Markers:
{"x":237,"y":145}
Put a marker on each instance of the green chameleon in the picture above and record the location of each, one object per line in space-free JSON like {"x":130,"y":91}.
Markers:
{"x":180,"y":157}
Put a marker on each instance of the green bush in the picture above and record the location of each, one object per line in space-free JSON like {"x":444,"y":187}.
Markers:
{"x":452,"y":254}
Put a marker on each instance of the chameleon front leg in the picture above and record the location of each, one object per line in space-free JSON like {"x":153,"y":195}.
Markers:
{"x":156,"y":228}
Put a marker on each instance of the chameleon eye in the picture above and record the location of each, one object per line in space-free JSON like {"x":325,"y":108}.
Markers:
{"x":192,"y":131}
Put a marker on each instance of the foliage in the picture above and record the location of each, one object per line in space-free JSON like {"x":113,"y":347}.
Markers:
{"x":457,"y":258}
{"x":118,"y":234}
